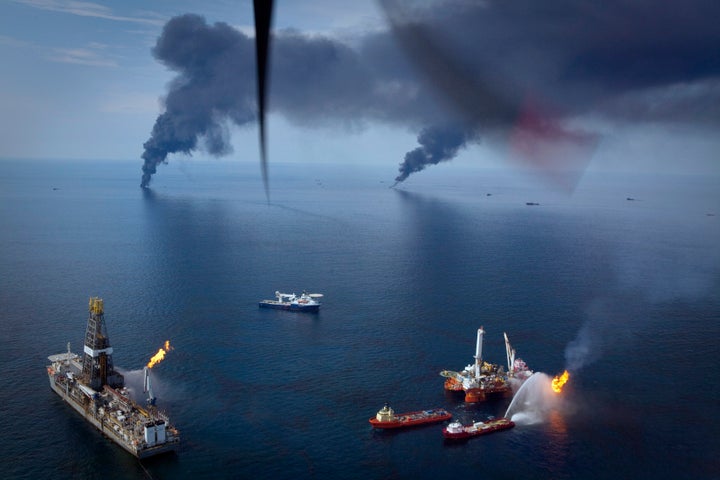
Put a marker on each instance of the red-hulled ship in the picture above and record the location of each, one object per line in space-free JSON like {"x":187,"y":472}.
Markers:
{"x":458,"y":431}
{"x":386,"y":417}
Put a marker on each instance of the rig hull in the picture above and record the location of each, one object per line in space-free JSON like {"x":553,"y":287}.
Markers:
{"x":104,"y":426}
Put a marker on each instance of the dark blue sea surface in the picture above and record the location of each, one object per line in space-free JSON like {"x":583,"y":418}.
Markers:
{"x":630,"y":288}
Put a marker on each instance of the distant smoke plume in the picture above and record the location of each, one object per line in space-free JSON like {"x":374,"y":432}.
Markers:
{"x":608,"y":325}
{"x":584,"y":349}
{"x":467,"y":64}
{"x":437,"y":144}
{"x":215,"y":83}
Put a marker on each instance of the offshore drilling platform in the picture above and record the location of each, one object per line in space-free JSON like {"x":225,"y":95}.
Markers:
{"x":482,"y":379}
{"x":97,"y":392}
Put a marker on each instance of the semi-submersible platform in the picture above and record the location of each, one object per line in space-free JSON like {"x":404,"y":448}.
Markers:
{"x":97,"y":392}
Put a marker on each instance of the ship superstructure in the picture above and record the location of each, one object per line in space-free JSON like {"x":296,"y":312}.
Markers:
{"x":96,"y":391}
{"x":518,"y":371}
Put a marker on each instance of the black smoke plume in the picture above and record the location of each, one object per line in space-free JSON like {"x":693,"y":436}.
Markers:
{"x":469,"y":65}
{"x":215,"y":84}
{"x":437,"y":144}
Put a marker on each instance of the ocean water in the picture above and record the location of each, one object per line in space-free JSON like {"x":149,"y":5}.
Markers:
{"x":630,"y":290}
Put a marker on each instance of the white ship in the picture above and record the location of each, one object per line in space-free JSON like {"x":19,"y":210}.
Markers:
{"x":306,"y":302}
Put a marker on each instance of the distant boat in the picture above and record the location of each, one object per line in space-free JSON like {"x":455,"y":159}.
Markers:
{"x":386,"y":417}
{"x":458,"y":431}
{"x":306,"y":302}
{"x":531,"y":203}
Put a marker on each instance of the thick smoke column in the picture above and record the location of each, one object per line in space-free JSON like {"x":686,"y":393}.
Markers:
{"x":495,"y":62}
{"x":317,"y":81}
{"x":214,"y":84}
{"x":437,"y":144}
{"x":454,"y":71}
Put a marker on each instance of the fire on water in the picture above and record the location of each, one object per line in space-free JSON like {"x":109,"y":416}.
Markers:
{"x":559,"y":381}
{"x":160,"y":355}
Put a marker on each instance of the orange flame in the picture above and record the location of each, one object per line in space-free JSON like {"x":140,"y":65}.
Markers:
{"x":160,"y":355}
{"x":559,"y":381}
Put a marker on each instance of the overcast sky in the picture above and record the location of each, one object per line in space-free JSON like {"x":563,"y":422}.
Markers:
{"x":627,"y":84}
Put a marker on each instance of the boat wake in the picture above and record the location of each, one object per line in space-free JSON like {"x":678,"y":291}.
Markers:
{"x":534,"y":401}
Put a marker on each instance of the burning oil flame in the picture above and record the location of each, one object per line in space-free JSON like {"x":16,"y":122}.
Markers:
{"x":160,"y":355}
{"x":559,"y":381}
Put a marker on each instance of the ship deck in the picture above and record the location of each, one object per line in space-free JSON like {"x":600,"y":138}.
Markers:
{"x":112,"y":412}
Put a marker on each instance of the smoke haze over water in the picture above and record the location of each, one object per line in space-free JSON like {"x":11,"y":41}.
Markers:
{"x":651,"y":268}
{"x":451,"y":71}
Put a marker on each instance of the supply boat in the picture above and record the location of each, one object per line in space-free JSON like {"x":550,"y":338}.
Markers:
{"x":458,"y":431}
{"x":96,"y":391}
{"x":307,"y":302}
{"x":387,"y":418}
{"x":483,"y":379}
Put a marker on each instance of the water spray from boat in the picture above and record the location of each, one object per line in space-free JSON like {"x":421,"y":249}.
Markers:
{"x":534,"y":401}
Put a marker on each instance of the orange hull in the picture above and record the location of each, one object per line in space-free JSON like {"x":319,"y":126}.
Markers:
{"x":453,"y":385}
{"x":474,"y":395}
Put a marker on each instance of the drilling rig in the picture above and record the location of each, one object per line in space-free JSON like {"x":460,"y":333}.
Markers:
{"x":97,"y":362}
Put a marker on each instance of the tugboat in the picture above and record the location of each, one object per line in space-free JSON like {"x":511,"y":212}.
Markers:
{"x":307,"y":302}
{"x":458,"y":431}
{"x":386,"y":417}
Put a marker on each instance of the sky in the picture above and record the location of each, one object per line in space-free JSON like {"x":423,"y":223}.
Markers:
{"x":556,"y":86}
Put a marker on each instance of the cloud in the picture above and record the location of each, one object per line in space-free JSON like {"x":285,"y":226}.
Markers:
{"x":81,"y":56}
{"x":93,"y":55}
{"x":695,"y":102}
{"x":454,"y":70}
{"x":130,"y":103}
{"x":13,"y":42}
{"x":89,"y":9}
